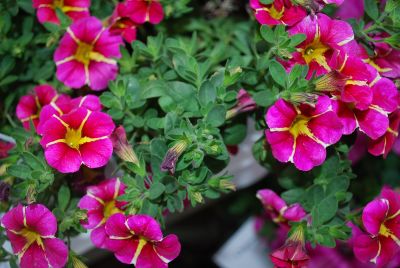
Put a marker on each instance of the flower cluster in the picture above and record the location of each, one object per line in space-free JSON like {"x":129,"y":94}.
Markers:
{"x":355,"y":90}
{"x":134,"y":239}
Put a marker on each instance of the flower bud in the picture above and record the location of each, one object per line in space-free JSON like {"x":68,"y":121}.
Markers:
{"x":245,"y":104}
{"x":227,"y":185}
{"x":4,"y":191}
{"x":31,"y":194}
{"x":331,"y":82}
{"x":77,"y":263}
{"x":4,"y":148}
{"x":121,"y":146}
{"x":292,"y":253}
{"x":197,"y":197}
{"x":298,"y":98}
{"x":171,"y":158}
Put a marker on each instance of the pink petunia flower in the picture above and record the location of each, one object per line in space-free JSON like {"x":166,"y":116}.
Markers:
{"x":86,"y":55}
{"x":278,"y":210}
{"x":138,"y":240}
{"x":384,"y":144}
{"x":100,"y":203}
{"x":121,"y":22}
{"x":351,"y":9}
{"x":324,"y":36}
{"x":145,"y":11}
{"x":381,"y":219}
{"x":301,"y":134}
{"x":80,"y":137}
{"x":31,"y":231}
{"x":75,"y":9}
{"x":357,"y":76}
{"x":278,"y":12}
{"x":91,"y":102}
{"x":29,"y":106}
{"x":373,"y":121}
{"x":245,"y":104}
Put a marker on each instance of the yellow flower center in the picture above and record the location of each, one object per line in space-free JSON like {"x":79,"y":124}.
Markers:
{"x":73,"y":138}
{"x":31,"y":237}
{"x":58,"y":3}
{"x":110,"y":209}
{"x":83,"y":52}
{"x":275,"y":13}
{"x":299,"y":127}
{"x":315,"y":52}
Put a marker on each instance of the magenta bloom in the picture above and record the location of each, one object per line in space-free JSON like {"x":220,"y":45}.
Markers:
{"x":382,"y":223}
{"x":384,"y":144}
{"x":80,"y":137}
{"x":138,"y":240}
{"x":75,"y":9}
{"x":85,"y":55}
{"x":121,"y":22}
{"x":277,"y":209}
{"x":373,"y":121}
{"x":357,"y":76}
{"x":279,"y":12}
{"x":351,"y":9}
{"x":145,"y":11}
{"x":31,"y":231}
{"x":324,"y":36}
{"x":29,"y":106}
{"x":100,"y":203}
{"x":301,"y":134}
{"x":91,"y":102}
{"x":386,"y":60}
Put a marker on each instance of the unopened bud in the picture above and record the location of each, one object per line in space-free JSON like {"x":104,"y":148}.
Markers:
{"x":227,"y":185}
{"x":171,"y":158}
{"x":77,"y":263}
{"x":331,"y":82}
{"x":197,"y":197}
{"x":4,"y":191}
{"x":121,"y":146}
{"x":298,"y":98}
{"x":245,"y":104}
{"x":31,"y":194}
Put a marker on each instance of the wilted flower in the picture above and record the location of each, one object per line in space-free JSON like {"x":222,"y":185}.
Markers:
{"x":145,"y":11}
{"x":324,"y":36}
{"x":80,"y":137}
{"x":4,"y":191}
{"x":29,"y":106}
{"x":278,"y":210}
{"x":138,"y":240}
{"x":121,"y":22}
{"x":75,"y":9}
{"x":333,"y":81}
{"x":381,"y":221}
{"x":245,"y":104}
{"x":31,"y":231}
{"x":278,"y":12}
{"x":298,"y":98}
{"x":85,"y":55}
{"x":171,"y":158}
{"x":5,"y":146}
{"x":293,"y":253}
{"x":301,"y":134}
{"x":100,"y":203}
{"x":121,"y":146}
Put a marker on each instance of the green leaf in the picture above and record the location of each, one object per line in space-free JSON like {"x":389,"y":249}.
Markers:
{"x":216,"y":117}
{"x":19,"y":170}
{"x":266,"y":98}
{"x":267,"y":34}
{"x":266,"y":2}
{"x":156,"y":190}
{"x":63,"y":197}
{"x":371,"y":8}
{"x":324,"y":210}
{"x":297,"y":39}
{"x":33,"y":161}
{"x":278,"y":73}
{"x":207,"y":93}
